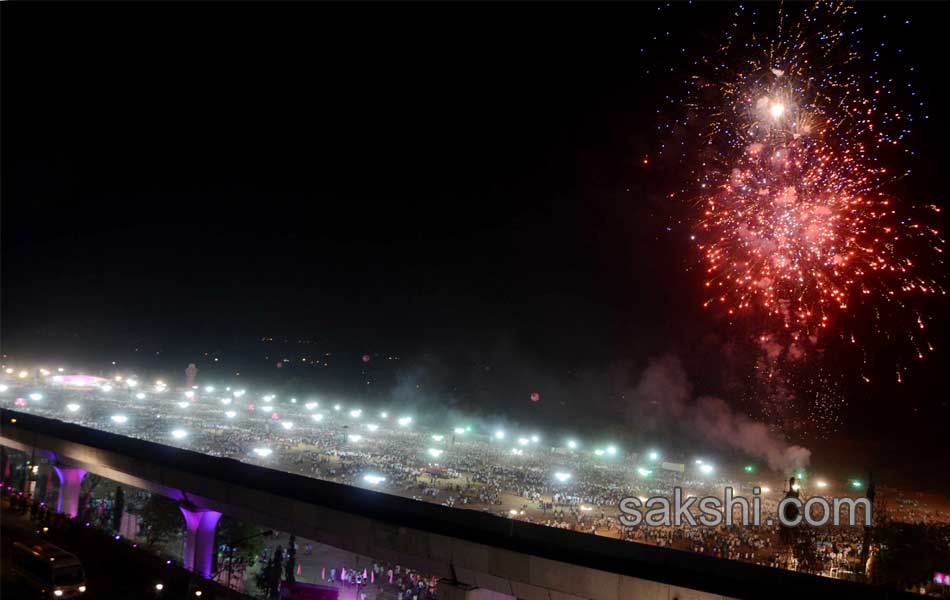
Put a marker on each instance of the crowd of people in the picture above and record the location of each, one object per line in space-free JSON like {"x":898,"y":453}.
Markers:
{"x":478,"y":472}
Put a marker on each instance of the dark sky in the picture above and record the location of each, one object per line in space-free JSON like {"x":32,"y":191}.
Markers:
{"x":458,"y":184}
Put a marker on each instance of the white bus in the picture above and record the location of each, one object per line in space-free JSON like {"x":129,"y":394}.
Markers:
{"x":50,"y":571}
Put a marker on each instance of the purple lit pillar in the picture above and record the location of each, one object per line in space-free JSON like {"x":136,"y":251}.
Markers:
{"x":70,"y":481}
{"x":199,"y":540}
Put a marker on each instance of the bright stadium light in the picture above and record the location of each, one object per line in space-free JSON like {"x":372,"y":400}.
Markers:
{"x":267,"y":408}
{"x":268,"y":397}
{"x":355,"y":437}
{"x":653,"y":455}
{"x":384,"y":415}
{"x":404,"y":421}
{"x":611,"y":450}
{"x":238,"y":393}
{"x":317,"y":417}
{"x":499,"y":435}
{"x":523,"y":441}
{"x":372,"y":426}
{"x":698,"y":461}
{"x":119,"y":418}
{"x":438,"y":437}
{"x":225,"y":401}
{"x":598,"y":452}
{"x":263,"y":452}
{"x":106,"y":388}
{"x":435,"y":452}
{"x":517,"y":451}
{"x":3,"y":387}
{"x":23,"y":374}
{"x":572,"y":444}
{"x":856,"y":483}
{"x":288,"y":425}
{"x":209,"y":389}
{"x":644,"y":472}
{"x":562,"y":476}
{"x":189,"y":394}
{"x":179,"y":434}
{"x":36,"y":396}
{"x":336,"y":407}
{"x":140,"y":396}
{"x":230,"y":414}
{"x":373,"y":479}
{"x":131,"y":383}
{"x":766,"y":490}
{"x":457,"y":430}
{"x":73,"y":407}
{"x":821,"y":484}
{"x":535,"y":439}
{"x":311,"y":405}
{"x":706,"y":469}
{"x":183,"y":404}
{"x":60,"y":369}
{"x":355,"y":413}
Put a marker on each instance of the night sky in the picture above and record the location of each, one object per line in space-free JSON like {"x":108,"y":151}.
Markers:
{"x":460,"y":186}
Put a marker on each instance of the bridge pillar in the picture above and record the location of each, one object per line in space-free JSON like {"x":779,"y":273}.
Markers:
{"x":199,"y":540}
{"x":448,"y":590}
{"x":70,"y":483}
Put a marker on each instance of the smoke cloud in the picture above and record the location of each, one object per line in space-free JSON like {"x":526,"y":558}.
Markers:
{"x":664,"y":393}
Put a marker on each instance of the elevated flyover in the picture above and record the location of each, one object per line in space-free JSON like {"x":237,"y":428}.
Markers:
{"x":475,"y":554}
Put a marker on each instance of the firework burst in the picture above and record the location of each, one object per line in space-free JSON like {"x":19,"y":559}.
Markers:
{"x":793,"y":143}
{"x":794,"y":221}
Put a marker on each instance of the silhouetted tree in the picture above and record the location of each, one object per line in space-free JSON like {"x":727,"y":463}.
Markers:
{"x":910,"y":553}
{"x":244,"y":540}
{"x":274,"y":580}
{"x":161,"y":519}
{"x":118,"y":506}
{"x":268,"y":580}
{"x":291,"y":560}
